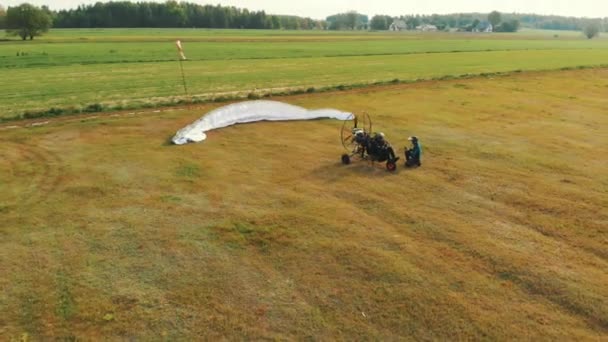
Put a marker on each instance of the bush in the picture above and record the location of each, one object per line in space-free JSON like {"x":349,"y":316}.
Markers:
{"x":31,"y":115}
{"x":55,"y":111}
{"x":509,"y":26}
{"x":592,"y":30}
{"x":221,"y":99}
{"x":94,"y":108}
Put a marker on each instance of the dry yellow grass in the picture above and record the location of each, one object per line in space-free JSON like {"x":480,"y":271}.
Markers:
{"x":107,"y":232}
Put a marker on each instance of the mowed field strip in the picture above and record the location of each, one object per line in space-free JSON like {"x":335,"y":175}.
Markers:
{"x":108,"y":232}
{"x":48,"y":53}
{"x":77,"y":68}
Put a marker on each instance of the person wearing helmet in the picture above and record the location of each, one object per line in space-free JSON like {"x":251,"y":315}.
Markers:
{"x":361,"y":139}
{"x":359,"y":136}
{"x":412,"y":155}
{"x":381,"y":149}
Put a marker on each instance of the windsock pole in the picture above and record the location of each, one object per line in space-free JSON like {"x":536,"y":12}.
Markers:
{"x":181,"y":66}
{"x":181,"y":58}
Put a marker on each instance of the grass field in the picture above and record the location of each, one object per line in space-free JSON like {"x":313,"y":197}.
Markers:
{"x":259,"y":233}
{"x":72,"y":69}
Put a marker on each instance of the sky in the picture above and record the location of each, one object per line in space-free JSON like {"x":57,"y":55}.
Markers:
{"x":320,"y":9}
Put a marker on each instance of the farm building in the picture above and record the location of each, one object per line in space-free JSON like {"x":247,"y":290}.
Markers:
{"x":484,"y":26}
{"x":426,"y":28}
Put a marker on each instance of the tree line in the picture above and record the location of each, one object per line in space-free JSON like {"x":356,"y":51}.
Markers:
{"x":347,"y":21}
{"x":173,"y":14}
{"x":125,"y":14}
{"x":467,"y":21}
{"x":28,"y":21}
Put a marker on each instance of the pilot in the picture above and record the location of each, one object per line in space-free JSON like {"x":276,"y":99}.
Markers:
{"x":382,"y":147}
{"x":360,"y":136}
{"x":412,"y":155}
{"x":362,"y":140}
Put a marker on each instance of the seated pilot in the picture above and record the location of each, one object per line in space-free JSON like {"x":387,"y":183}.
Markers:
{"x":412,"y":155}
{"x":380,"y":149}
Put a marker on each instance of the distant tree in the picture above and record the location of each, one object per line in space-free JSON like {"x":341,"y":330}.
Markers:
{"x":508,"y":26}
{"x":351,"y":20}
{"x":494,"y":18}
{"x":347,"y":21}
{"x":411,"y":22}
{"x":591,"y":30}
{"x":174,"y":14}
{"x":381,"y":22}
{"x":27,"y":21}
{"x":472,"y":26}
{"x":275,"y":22}
{"x":2,"y":17}
{"x":321,"y":25}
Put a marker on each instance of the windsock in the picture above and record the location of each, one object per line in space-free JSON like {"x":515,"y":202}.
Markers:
{"x":180,"y":50}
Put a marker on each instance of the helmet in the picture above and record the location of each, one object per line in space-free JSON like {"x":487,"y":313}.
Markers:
{"x":413,"y":139}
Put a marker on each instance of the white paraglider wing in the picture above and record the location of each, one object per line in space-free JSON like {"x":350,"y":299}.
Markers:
{"x":251,"y":111}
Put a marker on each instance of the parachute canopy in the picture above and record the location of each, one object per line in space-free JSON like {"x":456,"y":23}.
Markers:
{"x":251,"y":111}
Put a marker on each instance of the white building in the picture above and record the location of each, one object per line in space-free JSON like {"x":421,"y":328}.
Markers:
{"x":427,"y":28}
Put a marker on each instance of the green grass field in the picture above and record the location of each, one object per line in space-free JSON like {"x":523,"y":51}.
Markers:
{"x":131,"y":68}
{"x":260,"y":233}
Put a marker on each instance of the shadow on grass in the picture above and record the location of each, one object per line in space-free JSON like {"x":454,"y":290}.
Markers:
{"x":334,"y":172}
{"x":168,"y":142}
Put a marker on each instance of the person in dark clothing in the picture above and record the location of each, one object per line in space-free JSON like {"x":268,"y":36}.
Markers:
{"x":412,"y":155}
{"x":380,"y":149}
{"x":361,"y":139}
